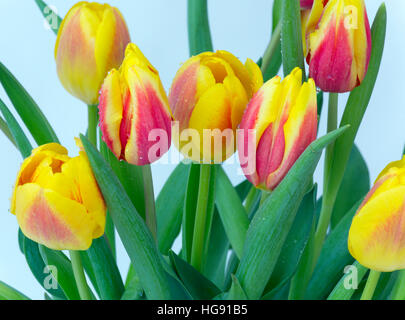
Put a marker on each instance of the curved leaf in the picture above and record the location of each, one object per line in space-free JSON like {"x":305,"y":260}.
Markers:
{"x":26,"y":107}
{"x":135,"y":236}
{"x":272,"y":222}
{"x":9,"y":293}
{"x":53,"y":19}
{"x":169,"y":207}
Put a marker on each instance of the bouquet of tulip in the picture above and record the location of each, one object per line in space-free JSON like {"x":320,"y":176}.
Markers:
{"x":273,"y":236}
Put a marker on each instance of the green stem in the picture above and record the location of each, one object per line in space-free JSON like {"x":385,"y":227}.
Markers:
{"x":329,"y":196}
{"x":398,"y":293}
{"x":150,"y":211}
{"x":250,"y":199}
{"x":92,"y":124}
{"x":82,"y":286}
{"x":371,"y":284}
{"x":265,"y":195}
{"x":200,"y":217}
{"x":199,"y":35}
{"x":271,"y":48}
{"x":7,"y":132}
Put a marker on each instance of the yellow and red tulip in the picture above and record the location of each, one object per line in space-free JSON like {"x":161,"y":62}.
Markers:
{"x":210,"y":92}
{"x":57,"y":201}
{"x":337,"y":43}
{"x":134,"y":105}
{"x":283,"y":116}
{"x":377,"y":234}
{"x":91,"y":41}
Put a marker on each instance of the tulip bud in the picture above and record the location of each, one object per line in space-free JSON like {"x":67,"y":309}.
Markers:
{"x":337,"y":42}
{"x":57,"y":201}
{"x":377,"y":234}
{"x":283,"y":116}
{"x":134,"y":111}
{"x":208,"y":97}
{"x":91,"y":41}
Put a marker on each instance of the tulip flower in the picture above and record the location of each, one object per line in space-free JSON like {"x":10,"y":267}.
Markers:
{"x":337,"y":43}
{"x":134,"y":111}
{"x":283,"y":116}
{"x":377,"y":234}
{"x":208,"y":97}
{"x":91,"y":41}
{"x":57,"y":201}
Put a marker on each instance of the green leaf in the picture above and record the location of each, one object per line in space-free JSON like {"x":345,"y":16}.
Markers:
{"x":236,"y":292}
{"x":243,"y":188}
{"x":169,"y":207}
{"x":272,"y":58}
{"x":319,"y":99}
{"x":199,"y":35}
{"x":38,"y":267}
{"x":108,"y":278}
{"x":64,"y":276}
{"x":199,"y":286}
{"x":355,"y":185}
{"x":51,"y":17}
{"x":295,"y":242}
{"x":9,"y":293}
{"x":4,"y":128}
{"x":17,"y":133}
{"x":357,"y":104}
{"x":291,"y":37}
{"x":133,"y":289}
{"x":190,"y":205}
{"x":26,"y":107}
{"x":133,"y":231}
{"x":272,"y":222}
{"x":232,"y":212}
{"x":340,"y":292}
{"x":218,"y":246}
{"x":335,"y":246}
{"x":130,"y":177}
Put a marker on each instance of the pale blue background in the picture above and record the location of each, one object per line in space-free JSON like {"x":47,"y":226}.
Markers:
{"x":159,"y":29}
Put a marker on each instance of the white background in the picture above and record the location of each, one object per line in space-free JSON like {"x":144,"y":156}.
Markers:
{"x":159,"y":27}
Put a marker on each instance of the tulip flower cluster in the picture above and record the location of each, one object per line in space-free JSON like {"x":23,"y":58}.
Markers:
{"x":262,"y":239}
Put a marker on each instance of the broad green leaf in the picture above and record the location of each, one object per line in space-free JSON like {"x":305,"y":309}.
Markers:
{"x":385,"y":290}
{"x":26,"y":107}
{"x":169,"y":207}
{"x":190,"y":205}
{"x":17,"y":133}
{"x":295,"y":242}
{"x":214,"y":268}
{"x":355,"y":185}
{"x":272,"y":58}
{"x":88,"y":268}
{"x":38,"y":267}
{"x":9,"y":293}
{"x":335,"y":246}
{"x":51,"y":17}
{"x":231,"y":267}
{"x":130,"y":177}
{"x":243,"y":188}
{"x":291,"y":37}
{"x":344,"y":289}
{"x":199,"y":286}
{"x":272,"y":222}
{"x":279,"y":293}
{"x":135,"y":236}
{"x":236,"y":292}
{"x":232,"y":212}
{"x":133,"y":289}
{"x":108,"y":278}
{"x":64,"y":276}
{"x":4,"y":128}
{"x":357,"y":104}
{"x":199,"y":34}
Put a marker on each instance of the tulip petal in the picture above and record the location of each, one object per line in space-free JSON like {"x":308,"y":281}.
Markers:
{"x":111,"y":112}
{"x":46,"y":217}
{"x":377,"y":237}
